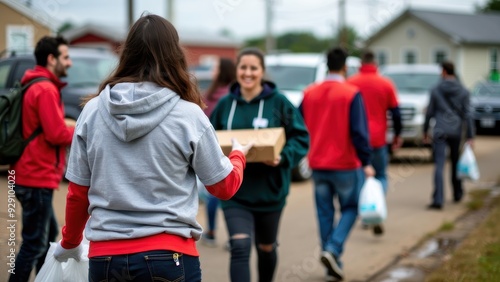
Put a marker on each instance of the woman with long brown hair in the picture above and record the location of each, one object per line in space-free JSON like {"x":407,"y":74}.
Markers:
{"x":137,"y":149}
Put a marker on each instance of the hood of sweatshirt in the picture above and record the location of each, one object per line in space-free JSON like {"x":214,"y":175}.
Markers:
{"x":40,"y":71}
{"x":132,"y":110}
{"x":268,"y":89}
{"x":450,"y":87}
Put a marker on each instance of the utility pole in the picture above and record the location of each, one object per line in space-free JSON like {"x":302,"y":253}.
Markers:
{"x":170,"y":11}
{"x":342,"y":34}
{"x":130,"y":12}
{"x":270,"y":42}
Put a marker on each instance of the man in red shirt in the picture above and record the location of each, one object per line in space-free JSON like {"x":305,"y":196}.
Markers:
{"x":379,"y":95}
{"x":40,"y":169}
{"x":339,"y":154}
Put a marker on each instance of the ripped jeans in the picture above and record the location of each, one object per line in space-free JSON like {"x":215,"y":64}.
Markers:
{"x":263,"y":228}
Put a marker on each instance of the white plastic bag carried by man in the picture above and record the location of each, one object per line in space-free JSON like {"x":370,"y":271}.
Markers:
{"x":372,"y":208}
{"x":467,"y":165}
{"x":69,"y":271}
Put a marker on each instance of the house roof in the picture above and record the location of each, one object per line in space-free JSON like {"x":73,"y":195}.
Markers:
{"x":198,"y":38}
{"x":34,"y":15}
{"x":481,"y":28}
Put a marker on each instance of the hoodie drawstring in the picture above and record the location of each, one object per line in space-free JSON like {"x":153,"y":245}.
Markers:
{"x":233,"y":109}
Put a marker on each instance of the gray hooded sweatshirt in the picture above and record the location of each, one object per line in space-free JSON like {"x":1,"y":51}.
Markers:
{"x":449,"y":106}
{"x":139,"y":147}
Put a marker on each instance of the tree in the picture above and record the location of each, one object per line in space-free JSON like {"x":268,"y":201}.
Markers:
{"x":491,"y":5}
{"x":65,"y":26}
{"x":300,"y":41}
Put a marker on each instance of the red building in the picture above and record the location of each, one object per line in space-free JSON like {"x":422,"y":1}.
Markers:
{"x":201,"y":47}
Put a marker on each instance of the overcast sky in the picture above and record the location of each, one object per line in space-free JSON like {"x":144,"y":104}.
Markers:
{"x":246,"y":18}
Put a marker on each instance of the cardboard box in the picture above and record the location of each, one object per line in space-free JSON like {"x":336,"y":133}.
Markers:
{"x":268,"y":142}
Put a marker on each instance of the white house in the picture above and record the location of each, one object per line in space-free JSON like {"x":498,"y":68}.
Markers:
{"x":471,"y":41}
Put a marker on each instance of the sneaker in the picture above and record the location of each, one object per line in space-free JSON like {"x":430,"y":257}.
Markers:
{"x":378,"y":229}
{"x":332,"y":266}
{"x":435,"y":207}
{"x":208,"y":240}
{"x":330,"y":277}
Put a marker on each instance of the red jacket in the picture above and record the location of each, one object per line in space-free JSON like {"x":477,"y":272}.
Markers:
{"x":43,"y":160}
{"x":379,"y":95}
{"x":326,"y":108}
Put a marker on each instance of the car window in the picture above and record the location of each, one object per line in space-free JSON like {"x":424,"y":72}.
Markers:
{"x":89,"y":71}
{"x":21,"y":68}
{"x":487,"y":90}
{"x":414,"y":82}
{"x":291,"y":77}
{"x":4,"y":73}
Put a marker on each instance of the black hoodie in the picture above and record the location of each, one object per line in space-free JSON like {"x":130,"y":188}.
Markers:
{"x":449,"y":106}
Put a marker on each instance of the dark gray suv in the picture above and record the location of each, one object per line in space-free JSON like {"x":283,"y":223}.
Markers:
{"x":90,"y":67}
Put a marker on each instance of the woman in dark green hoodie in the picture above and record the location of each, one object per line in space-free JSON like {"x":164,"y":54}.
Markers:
{"x":254,"y":212}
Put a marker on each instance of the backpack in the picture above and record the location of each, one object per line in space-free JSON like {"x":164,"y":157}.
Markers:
{"x":12,"y":143}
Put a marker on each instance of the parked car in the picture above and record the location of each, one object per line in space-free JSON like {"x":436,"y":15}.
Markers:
{"x":90,"y":67}
{"x":292,"y":73}
{"x":413,"y":83}
{"x":485,"y":104}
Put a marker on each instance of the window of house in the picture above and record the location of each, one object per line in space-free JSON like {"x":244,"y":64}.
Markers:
{"x":440,"y":56}
{"x":494,"y":59}
{"x":381,"y":58}
{"x":19,"y":38}
{"x":410,"y":57}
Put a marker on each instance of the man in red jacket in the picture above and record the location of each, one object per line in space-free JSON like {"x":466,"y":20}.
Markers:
{"x":379,"y":95}
{"x":339,"y":156}
{"x":40,"y":169}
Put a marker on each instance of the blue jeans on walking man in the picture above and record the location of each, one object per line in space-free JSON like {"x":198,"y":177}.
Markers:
{"x":380,"y":159}
{"x":39,"y":229}
{"x":346,"y":185}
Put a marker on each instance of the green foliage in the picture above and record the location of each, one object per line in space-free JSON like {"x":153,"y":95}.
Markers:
{"x":491,"y":5}
{"x":300,"y":42}
{"x":65,"y":26}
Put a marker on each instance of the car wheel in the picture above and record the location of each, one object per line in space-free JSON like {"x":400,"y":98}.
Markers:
{"x":302,"y":171}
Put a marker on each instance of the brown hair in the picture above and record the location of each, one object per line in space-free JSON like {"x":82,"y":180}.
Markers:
{"x":152,"y":53}
{"x":252,"y":51}
{"x":368,"y":57}
{"x":226,"y":75}
{"x":448,"y":67}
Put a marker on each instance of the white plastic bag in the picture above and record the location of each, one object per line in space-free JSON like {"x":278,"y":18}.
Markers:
{"x":467,"y":165}
{"x":372,"y":207}
{"x":70,"y":271}
{"x":52,"y":269}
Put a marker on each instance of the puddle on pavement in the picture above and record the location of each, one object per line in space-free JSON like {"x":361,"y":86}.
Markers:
{"x":404,"y":274}
{"x":434,"y":246}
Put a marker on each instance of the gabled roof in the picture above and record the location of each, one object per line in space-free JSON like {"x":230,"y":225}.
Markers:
{"x":112,"y":33}
{"x":34,"y":15}
{"x":481,"y":28}
{"x":198,"y":38}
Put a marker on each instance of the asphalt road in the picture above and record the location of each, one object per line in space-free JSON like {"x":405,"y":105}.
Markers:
{"x":408,"y":222}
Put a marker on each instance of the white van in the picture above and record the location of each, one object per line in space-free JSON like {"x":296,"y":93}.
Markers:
{"x":292,"y":73}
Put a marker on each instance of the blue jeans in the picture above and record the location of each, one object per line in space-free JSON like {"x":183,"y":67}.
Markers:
{"x":145,"y":266}
{"x":39,"y":228}
{"x":212,"y":204}
{"x":346,"y":185}
{"x":380,"y":158}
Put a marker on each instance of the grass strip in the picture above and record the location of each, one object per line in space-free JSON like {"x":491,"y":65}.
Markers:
{"x":478,"y":257}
